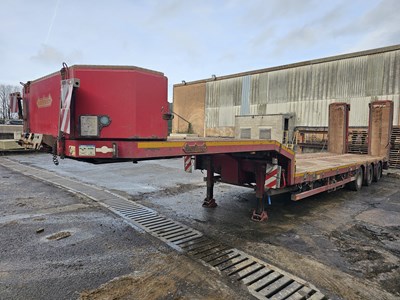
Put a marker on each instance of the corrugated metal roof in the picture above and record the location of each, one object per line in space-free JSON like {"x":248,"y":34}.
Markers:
{"x":299,"y":64}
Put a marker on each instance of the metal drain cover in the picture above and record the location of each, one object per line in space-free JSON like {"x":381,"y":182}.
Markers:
{"x":262,"y":280}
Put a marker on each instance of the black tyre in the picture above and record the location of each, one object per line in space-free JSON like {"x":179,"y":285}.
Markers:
{"x":369,"y":174}
{"x":377,"y":172}
{"x":357,"y":184}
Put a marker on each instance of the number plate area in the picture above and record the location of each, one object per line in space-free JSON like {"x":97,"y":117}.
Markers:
{"x":87,"y":150}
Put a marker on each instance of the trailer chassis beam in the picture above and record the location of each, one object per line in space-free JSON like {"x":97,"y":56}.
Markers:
{"x":321,"y":189}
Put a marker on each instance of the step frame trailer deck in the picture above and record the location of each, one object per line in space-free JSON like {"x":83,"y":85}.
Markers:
{"x":267,"y":166}
{"x":253,"y":163}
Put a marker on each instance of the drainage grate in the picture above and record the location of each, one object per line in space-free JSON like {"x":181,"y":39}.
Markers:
{"x":262,"y":280}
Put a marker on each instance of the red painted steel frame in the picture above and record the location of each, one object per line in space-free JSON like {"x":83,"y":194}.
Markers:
{"x":134,"y":99}
{"x":41,"y":106}
{"x":137,"y":150}
{"x":321,"y":189}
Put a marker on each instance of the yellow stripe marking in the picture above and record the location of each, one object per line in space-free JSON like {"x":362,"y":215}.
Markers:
{"x":154,"y":145}
{"x":180,"y":144}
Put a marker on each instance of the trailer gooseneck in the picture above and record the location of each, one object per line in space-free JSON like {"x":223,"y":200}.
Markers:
{"x":112,"y":113}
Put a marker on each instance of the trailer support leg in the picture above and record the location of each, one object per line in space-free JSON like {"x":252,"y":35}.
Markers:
{"x":260,"y":214}
{"x":209,"y":202}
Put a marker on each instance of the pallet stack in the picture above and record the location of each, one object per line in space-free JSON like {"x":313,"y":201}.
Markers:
{"x":394,"y":159}
{"x":358,"y":141}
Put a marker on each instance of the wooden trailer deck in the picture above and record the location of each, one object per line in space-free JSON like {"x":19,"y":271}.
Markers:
{"x":316,"y":163}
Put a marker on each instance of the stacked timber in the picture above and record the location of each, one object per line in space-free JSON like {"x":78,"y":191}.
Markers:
{"x":394,"y":158}
{"x":358,"y":141}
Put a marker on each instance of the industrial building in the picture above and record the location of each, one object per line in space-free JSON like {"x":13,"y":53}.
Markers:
{"x":270,"y":102}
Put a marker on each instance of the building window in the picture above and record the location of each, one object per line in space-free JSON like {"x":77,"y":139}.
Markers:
{"x":265,"y":134}
{"x":245,"y":133}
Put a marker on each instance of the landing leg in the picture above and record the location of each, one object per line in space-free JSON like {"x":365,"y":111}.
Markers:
{"x":260,"y":214}
{"x":209,"y":202}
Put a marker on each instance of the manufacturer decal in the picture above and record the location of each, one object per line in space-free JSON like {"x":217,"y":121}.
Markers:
{"x":44,"y":101}
{"x":196,"y":148}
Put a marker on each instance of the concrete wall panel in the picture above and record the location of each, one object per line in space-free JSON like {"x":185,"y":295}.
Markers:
{"x":189,"y":102}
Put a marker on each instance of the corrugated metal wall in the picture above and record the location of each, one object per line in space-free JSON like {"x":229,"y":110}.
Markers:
{"x":223,"y":102}
{"x":307,"y":91}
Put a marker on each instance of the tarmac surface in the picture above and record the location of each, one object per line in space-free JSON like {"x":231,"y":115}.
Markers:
{"x":345,"y":243}
{"x":57,"y":245}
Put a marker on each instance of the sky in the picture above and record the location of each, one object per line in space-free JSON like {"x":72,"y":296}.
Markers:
{"x":186,"y":39}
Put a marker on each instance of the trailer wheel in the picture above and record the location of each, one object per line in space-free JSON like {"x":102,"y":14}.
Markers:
{"x":357,"y":183}
{"x":377,"y":172}
{"x":369,"y":174}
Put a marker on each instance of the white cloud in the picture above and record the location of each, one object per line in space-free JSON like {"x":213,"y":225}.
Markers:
{"x":379,"y":26}
{"x":51,"y":55}
{"x":187,"y":39}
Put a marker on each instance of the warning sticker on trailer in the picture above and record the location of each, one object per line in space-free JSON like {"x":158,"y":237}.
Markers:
{"x":87,"y":150}
{"x":89,"y":126}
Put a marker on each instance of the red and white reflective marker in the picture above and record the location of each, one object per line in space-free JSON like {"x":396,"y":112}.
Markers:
{"x":187,"y":161}
{"x":13,"y":103}
{"x":272,"y":179}
{"x":66,"y":95}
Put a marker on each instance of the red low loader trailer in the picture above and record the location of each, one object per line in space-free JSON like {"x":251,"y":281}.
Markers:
{"x":104,"y":114}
